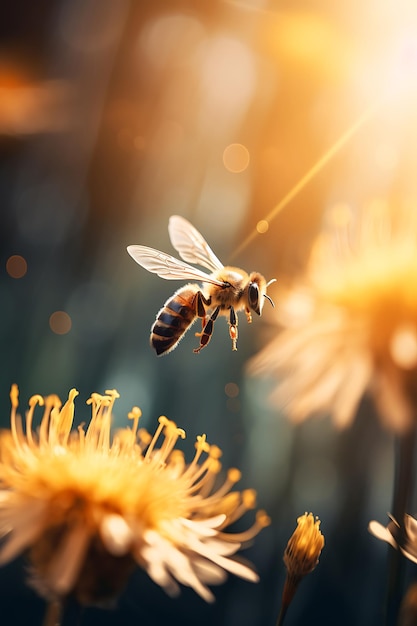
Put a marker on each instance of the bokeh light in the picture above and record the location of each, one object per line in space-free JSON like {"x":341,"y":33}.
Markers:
{"x":16,"y":266}
{"x":236,"y":158}
{"x":262,"y":226}
{"x":231,"y":390}
{"x":60,"y":323}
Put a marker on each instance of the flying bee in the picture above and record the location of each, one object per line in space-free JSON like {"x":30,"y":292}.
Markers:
{"x":226,"y":289}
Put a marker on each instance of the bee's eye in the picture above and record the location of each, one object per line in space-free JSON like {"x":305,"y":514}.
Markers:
{"x":253,"y":295}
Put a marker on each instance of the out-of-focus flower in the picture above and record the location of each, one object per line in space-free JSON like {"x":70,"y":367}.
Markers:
{"x":301,"y":556}
{"x":400,"y":537}
{"x":351,"y":324}
{"x":28,"y":107}
{"x":86,"y":509}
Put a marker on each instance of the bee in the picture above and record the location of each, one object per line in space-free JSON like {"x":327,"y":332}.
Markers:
{"x":226,"y":290}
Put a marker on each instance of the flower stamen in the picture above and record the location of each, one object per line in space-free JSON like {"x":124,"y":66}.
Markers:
{"x":86,"y":508}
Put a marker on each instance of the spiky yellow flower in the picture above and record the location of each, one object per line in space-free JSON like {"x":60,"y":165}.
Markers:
{"x":300,"y":557}
{"x":350,"y":325}
{"x":304,"y":547}
{"x":87,"y":508}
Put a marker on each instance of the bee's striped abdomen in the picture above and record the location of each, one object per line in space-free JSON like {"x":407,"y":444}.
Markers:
{"x":174,"y":319}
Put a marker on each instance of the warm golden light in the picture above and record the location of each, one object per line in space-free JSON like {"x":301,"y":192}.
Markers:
{"x":228,"y":75}
{"x":160,"y":37}
{"x":16,"y":266}
{"x":60,"y":323}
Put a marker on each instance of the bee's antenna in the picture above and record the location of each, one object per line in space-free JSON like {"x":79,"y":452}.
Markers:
{"x":270,"y":299}
{"x":273,"y":280}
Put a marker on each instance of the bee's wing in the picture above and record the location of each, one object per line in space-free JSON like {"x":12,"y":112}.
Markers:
{"x":167,"y":266}
{"x":191,"y":245}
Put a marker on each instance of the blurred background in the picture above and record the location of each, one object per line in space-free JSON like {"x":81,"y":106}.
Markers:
{"x":116,"y":115}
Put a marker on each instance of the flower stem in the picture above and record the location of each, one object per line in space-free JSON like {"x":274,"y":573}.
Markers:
{"x":290,"y":587}
{"x":53,"y":614}
{"x":281,"y":615}
{"x":403,"y":489}
{"x":65,"y":612}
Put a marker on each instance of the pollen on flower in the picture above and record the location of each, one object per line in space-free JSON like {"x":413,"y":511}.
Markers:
{"x":234,"y":475}
{"x":249,"y":498}
{"x":87,"y":507}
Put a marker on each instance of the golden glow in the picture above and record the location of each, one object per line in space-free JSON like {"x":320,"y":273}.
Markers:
{"x":60,"y":323}
{"x":160,"y":37}
{"x":339,"y":215}
{"x":236,"y":158}
{"x":228,"y":75}
{"x":403,"y":346}
{"x":377,"y":273}
{"x":16,"y":266}
{"x":316,"y":168}
{"x":310,"y":42}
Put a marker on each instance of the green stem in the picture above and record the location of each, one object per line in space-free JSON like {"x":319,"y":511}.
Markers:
{"x":403,"y":490}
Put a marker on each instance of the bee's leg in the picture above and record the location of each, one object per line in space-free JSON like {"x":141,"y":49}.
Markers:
{"x":200,"y":303}
{"x":207,"y":331}
{"x":233,"y":328}
{"x":248,"y":315}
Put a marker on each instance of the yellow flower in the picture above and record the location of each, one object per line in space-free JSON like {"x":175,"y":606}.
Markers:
{"x":300,"y":557}
{"x":87,"y":508}
{"x":350,"y":325}
{"x":304,"y":547}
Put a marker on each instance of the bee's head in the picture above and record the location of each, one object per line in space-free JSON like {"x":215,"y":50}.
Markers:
{"x":257,"y":287}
